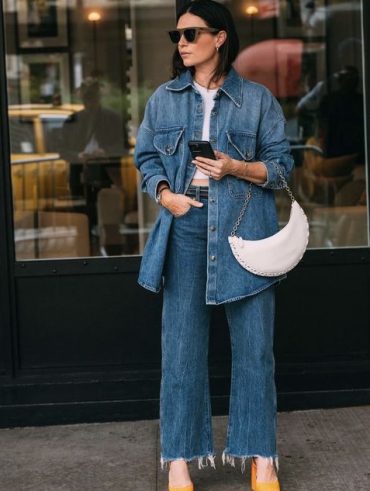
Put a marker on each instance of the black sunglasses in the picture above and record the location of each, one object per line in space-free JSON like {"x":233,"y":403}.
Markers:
{"x":190,"y":33}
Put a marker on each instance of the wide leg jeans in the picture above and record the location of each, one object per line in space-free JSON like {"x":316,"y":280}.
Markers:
{"x":185,"y":407}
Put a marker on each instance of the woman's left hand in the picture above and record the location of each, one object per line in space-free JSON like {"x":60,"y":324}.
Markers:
{"x":216,"y":169}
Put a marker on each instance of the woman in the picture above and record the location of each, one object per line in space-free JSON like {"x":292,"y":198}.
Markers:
{"x":188,"y":252}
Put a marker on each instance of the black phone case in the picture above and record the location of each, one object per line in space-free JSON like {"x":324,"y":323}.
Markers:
{"x":201,"y":148}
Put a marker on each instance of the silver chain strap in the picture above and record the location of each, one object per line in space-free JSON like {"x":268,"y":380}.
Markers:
{"x":285,"y":184}
{"x":249,"y":195}
{"x":242,"y":211}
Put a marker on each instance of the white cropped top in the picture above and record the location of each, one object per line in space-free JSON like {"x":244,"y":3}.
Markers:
{"x":208,"y":103}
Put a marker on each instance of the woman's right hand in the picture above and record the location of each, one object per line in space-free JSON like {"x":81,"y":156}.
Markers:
{"x":178,"y":204}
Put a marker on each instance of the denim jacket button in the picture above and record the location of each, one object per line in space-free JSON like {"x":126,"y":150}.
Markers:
{"x":213,"y":258}
{"x":212,"y":200}
{"x":212,"y":228}
{"x":212,"y":139}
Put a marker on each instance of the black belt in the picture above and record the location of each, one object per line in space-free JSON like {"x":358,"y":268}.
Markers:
{"x":197,"y":191}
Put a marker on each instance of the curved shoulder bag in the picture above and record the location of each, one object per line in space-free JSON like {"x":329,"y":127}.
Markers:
{"x":279,"y":253}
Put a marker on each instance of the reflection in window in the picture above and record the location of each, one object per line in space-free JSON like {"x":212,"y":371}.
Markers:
{"x":316,"y":72}
{"x":79,"y":75}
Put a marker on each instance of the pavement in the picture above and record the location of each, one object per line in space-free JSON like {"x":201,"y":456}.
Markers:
{"x":319,"y":450}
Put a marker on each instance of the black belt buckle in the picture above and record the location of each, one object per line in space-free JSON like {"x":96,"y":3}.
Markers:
{"x":197,"y":192}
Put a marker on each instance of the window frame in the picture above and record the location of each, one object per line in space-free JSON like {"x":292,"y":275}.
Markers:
{"x":131,"y":264}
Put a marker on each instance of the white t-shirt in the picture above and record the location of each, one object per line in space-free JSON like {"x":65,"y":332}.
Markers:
{"x":208,"y":102}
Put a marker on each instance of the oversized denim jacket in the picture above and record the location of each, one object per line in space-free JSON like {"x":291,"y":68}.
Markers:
{"x":248,"y":124}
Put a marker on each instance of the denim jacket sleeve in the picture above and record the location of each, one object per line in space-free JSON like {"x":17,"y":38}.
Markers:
{"x":273,"y":148}
{"x":146,"y":156}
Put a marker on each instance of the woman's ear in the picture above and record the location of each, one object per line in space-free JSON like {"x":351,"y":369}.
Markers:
{"x":221,"y":38}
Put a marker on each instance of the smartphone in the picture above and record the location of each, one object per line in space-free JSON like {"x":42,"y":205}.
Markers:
{"x":201,"y":148}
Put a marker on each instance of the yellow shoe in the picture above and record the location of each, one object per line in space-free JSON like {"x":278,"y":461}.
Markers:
{"x":189,"y":487}
{"x":260,"y":485}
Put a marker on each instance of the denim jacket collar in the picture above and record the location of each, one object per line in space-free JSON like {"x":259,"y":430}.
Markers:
{"x":232,"y":85}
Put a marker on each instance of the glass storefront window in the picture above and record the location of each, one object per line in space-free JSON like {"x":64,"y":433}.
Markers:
{"x":310,"y":55}
{"x":80,"y":72}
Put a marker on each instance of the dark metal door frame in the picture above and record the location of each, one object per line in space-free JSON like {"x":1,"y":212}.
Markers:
{"x":7,"y":306}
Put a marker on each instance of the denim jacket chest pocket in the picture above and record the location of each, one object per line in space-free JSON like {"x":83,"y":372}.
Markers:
{"x":241,"y":145}
{"x":168,"y":141}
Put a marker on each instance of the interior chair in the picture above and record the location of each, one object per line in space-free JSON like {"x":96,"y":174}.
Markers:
{"x":49,"y":234}
{"x":37,"y":185}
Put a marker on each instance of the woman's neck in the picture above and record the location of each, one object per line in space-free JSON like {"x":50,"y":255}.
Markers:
{"x":203,"y":77}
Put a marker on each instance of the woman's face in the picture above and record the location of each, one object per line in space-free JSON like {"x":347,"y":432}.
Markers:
{"x":203,"y":50}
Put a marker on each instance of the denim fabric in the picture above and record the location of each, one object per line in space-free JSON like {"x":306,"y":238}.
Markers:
{"x":248,"y":124}
{"x":185,"y":410}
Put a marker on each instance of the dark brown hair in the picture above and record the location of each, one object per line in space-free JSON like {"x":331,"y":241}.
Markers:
{"x":214,"y":15}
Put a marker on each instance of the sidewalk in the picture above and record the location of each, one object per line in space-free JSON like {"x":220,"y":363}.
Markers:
{"x":319,"y":450}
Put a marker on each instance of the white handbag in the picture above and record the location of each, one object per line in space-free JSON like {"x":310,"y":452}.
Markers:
{"x":279,"y":253}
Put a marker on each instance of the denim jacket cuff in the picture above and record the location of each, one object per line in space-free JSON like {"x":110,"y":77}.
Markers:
{"x":152,"y":185}
{"x":273,"y":180}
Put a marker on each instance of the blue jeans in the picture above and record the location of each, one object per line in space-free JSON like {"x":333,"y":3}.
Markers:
{"x":185,"y":408}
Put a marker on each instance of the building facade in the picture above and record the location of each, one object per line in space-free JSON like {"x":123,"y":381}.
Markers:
{"x":79,"y":339}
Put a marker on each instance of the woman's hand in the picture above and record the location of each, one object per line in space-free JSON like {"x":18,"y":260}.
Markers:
{"x":255,"y":172}
{"x":178,"y":204}
{"x":216,"y":169}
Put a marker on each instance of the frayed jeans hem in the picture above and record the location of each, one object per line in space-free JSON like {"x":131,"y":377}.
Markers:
{"x":230,"y":459}
{"x":201,"y":464}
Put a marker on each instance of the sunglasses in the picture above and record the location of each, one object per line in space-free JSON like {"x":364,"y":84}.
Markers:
{"x":190,"y":33}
